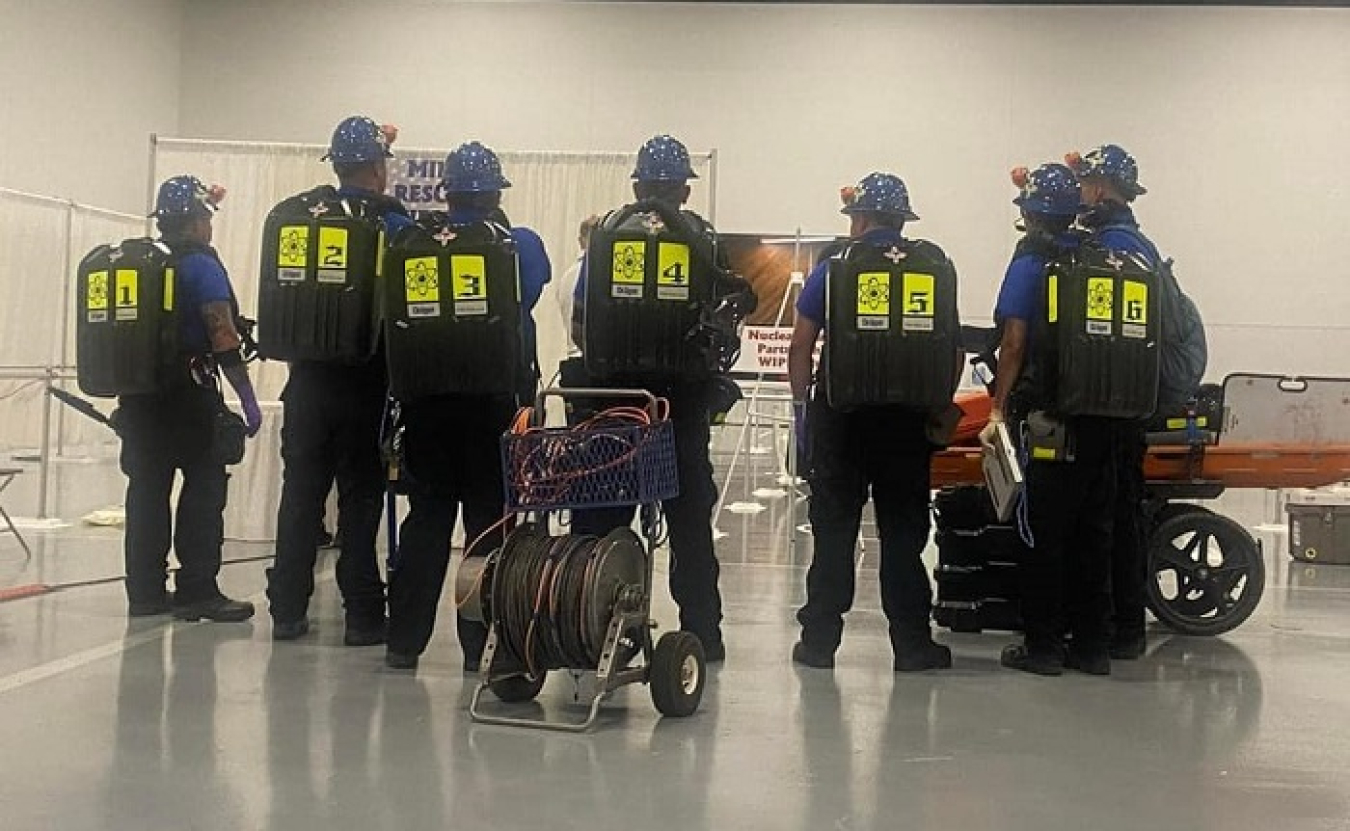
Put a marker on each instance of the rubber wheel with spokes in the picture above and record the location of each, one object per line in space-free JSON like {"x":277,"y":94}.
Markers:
{"x":678,"y":674}
{"x":1205,"y":573}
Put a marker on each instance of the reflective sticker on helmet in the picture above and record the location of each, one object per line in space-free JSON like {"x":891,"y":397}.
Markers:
{"x":672,"y":276}
{"x":919,"y":297}
{"x":292,"y":253}
{"x":422,"y":286}
{"x":1136,"y":310}
{"x":629,"y":268}
{"x":332,"y":255}
{"x":1101,"y":305}
{"x":1052,"y":299}
{"x":874,"y":300}
{"x":125,"y":293}
{"x":96,"y":297}
{"x":468,"y":284}
{"x":169,"y":282}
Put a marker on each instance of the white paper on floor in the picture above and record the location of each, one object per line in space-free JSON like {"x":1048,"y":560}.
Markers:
{"x":106,"y":517}
{"x":745,"y":507}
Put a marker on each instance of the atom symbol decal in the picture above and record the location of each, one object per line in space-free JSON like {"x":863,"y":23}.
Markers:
{"x":874,"y":294}
{"x":421,"y":281}
{"x":98,"y":291}
{"x":294,"y":245}
{"x":629,"y":263}
{"x":1100,"y":301}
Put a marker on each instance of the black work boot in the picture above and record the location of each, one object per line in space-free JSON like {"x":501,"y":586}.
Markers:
{"x":1035,"y":661}
{"x":918,"y":652}
{"x":289,"y":630}
{"x":814,"y":658}
{"x":400,"y":660}
{"x":365,"y":631}
{"x":150,"y":608}
{"x":219,"y":609}
{"x":1089,"y":661}
{"x":1128,"y":647}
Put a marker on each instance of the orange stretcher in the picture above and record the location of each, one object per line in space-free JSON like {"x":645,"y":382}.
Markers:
{"x":1221,"y":466}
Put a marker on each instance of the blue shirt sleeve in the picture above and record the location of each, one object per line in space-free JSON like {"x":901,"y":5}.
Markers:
{"x":535,"y":269}
{"x":1021,"y":289}
{"x":1131,"y":242}
{"x":811,"y":302}
{"x":200,"y":280}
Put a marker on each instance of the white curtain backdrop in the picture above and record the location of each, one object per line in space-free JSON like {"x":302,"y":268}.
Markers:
{"x":42,"y":239}
{"x":551,"y":192}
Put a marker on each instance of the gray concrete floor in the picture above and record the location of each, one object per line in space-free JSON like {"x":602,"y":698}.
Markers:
{"x":110,"y":725}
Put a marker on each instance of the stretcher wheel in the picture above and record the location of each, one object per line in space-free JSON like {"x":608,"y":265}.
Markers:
{"x":1175,"y":509}
{"x":677,"y":675}
{"x":516,"y":689}
{"x":1206,"y":573}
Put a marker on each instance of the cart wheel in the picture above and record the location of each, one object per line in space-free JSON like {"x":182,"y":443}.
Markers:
{"x":677,"y":674}
{"x":516,"y":689}
{"x":1206,"y":573}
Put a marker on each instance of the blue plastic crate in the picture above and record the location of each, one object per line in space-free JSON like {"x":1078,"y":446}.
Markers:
{"x":607,"y":467}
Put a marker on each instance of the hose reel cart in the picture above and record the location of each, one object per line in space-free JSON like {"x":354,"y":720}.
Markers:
{"x":577,"y":602}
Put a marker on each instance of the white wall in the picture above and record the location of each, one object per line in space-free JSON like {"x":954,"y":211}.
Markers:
{"x":83,"y":84}
{"x":1240,"y":118}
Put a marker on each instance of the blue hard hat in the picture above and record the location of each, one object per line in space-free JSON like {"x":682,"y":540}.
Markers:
{"x":473,"y":168}
{"x":358,"y":139}
{"x":1050,"y":189}
{"x":183,"y":196}
{"x":663,"y":158}
{"x":878,"y":193}
{"x":1112,"y":162}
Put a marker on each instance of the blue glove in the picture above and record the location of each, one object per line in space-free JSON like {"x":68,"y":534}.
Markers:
{"x":799,"y":433}
{"x":252,"y":413}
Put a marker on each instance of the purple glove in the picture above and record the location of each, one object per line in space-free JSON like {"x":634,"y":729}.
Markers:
{"x":252,"y":412}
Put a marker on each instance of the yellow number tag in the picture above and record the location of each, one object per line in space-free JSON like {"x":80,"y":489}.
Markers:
{"x":1136,"y":302}
{"x":630,"y":268}
{"x":919,"y":295}
{"x":332,"y":255}
{"x":1134,"y":315}
{"x":96,"y":292}
{"x":125,"y":293}
{"x":672,"y":277}
{"x":920,"y":298}
{"x":422,"y":286}
{"x":468,"y":283}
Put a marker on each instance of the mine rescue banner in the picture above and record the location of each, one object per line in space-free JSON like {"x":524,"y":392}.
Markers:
{"x":416,"y":182}
{"x":764,"y":351}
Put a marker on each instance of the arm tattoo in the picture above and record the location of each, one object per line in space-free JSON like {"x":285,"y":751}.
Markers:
{"x":219,"y":320}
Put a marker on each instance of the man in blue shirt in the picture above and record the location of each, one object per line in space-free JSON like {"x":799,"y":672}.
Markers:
{"x":662,"y":175}
{"x":1067,"y":503}
{"x":883,"y":450}
{"x":451,"y":443}
{"x":1109,"y":177}
{"x":333,"y":412}
{"x":174,"y":430}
